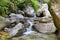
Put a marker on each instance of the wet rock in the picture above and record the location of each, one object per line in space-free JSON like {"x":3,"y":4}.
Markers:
{"x":29,"y":11}
{"x":45,"y":26}
{"x":26,"y":25}
{"x":13,"y":31}
{"x":16,"y":17}
{"x":29,"y":27}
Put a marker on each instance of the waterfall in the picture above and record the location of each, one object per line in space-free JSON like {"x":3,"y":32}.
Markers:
{"x":30,"y":27}
{"x":29,"y":30}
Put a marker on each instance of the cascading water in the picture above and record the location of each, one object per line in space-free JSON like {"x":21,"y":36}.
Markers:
{"x":29,"y":30}
{"x":34,"y":15}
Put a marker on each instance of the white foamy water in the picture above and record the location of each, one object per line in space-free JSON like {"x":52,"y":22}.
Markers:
{"x":29,"y":30}
{"x":35,"y":15}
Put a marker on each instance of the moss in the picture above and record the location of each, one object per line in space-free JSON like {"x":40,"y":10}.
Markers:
{"x":56,"y":19}
{"x":4,"y":35}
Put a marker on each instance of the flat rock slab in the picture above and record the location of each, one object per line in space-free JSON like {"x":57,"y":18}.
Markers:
{"x":36,"y":37}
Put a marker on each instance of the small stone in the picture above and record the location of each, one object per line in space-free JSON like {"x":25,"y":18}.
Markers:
{"x":20,"y":12}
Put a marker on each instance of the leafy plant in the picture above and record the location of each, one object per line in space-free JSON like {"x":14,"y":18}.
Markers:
{"x":5,"y":5}
{"x":46,"y":1}
{"x":35,"y":5}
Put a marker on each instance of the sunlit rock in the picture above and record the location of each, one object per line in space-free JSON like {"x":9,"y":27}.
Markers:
{"x":43,"y":10}
{"x":45,"y":26}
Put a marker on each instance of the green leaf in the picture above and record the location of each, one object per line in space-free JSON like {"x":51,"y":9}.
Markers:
{"x":35,"y":5}
{"x":46,"y":1}
{"x":21,"y":1}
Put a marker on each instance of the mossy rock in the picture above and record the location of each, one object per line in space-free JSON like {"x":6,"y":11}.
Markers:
{"x":3,"y":35}
{"x":46,"y":1}
{"x":1,"y":18}
{"x":2,"y":25}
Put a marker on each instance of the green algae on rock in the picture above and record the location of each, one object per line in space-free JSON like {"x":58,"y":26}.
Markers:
{"x":55,"y":17}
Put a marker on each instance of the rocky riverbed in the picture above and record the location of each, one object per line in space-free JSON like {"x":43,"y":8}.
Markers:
{"x":27,"y":25}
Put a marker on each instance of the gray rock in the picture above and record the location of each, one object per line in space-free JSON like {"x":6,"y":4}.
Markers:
{"x":46,"y":11}
{"x":45,"y":27}
{"x":29,"y":11}
{"x":20,"y":12}
{"x":13,"y":31}
{"x":16,"y":17}
{"x":43,"y":8}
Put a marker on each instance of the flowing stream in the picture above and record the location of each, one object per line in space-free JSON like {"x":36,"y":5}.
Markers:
{"x":29,"y":30}
{"x":35,"y":15}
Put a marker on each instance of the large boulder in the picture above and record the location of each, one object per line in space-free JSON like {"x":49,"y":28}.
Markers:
{"x":45,"y":26}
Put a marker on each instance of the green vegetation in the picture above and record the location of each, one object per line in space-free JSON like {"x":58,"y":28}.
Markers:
{"x":46,"y":1}
{"x":56,"y":19}
{"x":35,"y":5}
{"x":4,"y":7}
{"x":7,"y":5}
